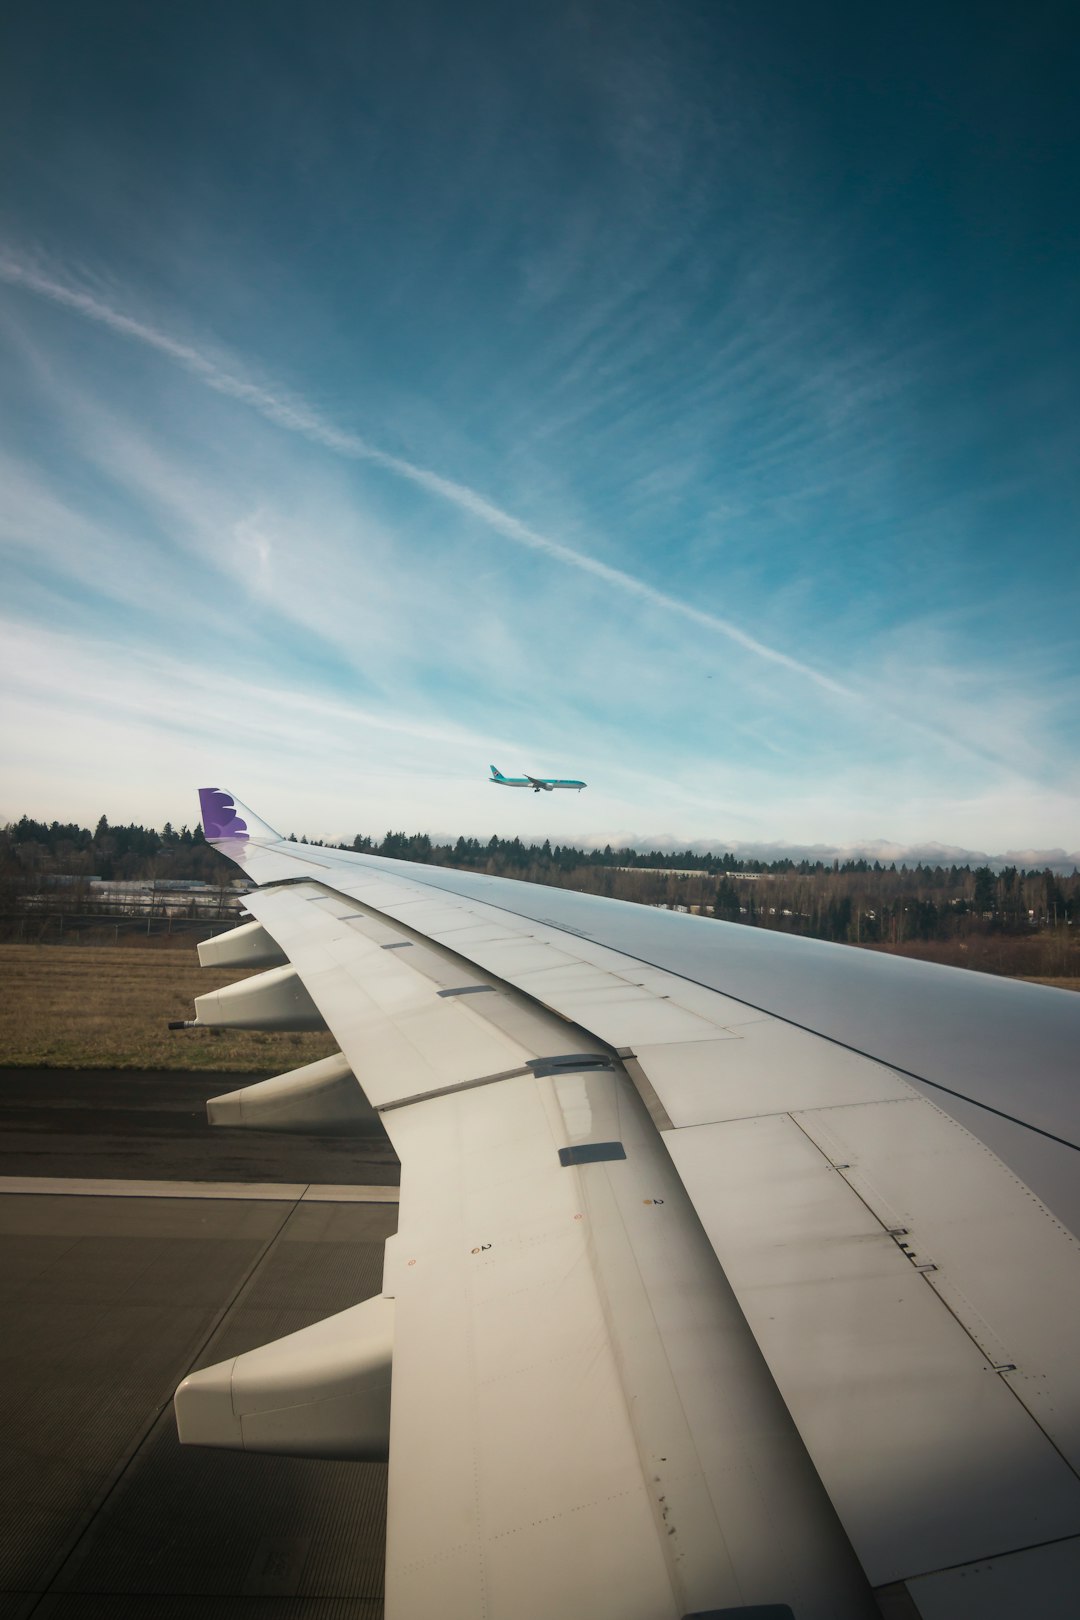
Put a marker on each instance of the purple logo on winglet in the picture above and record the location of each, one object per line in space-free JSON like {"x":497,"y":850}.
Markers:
{"x":219,"y":817}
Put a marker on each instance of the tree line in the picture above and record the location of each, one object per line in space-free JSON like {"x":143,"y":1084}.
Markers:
{"x":855,"y":901}
{"x":33,"y":850}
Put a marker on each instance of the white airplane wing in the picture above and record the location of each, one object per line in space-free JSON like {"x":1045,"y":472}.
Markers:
{"x":693,"y":1306}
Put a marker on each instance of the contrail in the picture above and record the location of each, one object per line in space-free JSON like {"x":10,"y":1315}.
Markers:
{"x":296,"y":416}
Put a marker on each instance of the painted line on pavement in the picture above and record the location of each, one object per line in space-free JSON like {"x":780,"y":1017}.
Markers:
{"x":255,"y":1191}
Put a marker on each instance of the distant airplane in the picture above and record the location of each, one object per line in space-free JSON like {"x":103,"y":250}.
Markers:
{"x":539,"y":784}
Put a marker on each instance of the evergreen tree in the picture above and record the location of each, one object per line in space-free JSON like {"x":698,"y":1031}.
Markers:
{"x":985,"y":890}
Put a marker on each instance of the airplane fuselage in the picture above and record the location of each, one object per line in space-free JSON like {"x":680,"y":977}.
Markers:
{"x":539,"y":784}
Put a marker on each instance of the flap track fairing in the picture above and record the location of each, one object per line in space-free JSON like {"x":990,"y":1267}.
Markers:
{"x":319,"y":1097}
{"x":322,"y":1392}
{"x":276,"y":1000}
{"x":248,"y":946}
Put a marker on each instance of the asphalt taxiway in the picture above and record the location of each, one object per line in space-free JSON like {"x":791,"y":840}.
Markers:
{"x":135,"y":1245}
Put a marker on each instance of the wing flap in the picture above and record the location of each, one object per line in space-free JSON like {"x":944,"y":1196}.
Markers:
{"x":581,"y":1422}
{"x":1007,"y":1270}
{"x":925,"y":1449}
{"x":762,"y":1068}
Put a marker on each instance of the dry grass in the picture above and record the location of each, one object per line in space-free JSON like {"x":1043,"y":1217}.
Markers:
{"x":106,"y":1007}
{"x":1049,"y":957}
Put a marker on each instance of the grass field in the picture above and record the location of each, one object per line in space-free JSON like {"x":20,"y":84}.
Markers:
{"x":106,"y":1007}
{"x":1050,"y":957}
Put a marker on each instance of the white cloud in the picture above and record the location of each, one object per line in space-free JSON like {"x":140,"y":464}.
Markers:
{"x":296,"y":416}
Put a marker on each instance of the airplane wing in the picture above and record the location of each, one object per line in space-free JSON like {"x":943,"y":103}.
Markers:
{"x":698,"y":1301}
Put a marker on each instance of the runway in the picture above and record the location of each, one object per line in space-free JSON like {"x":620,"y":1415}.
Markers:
{"x":151,"y":1125}
{"x":114,"y":1286}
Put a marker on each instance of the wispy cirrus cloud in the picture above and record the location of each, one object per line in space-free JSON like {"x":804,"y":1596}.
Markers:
{"x":297,"y":416}
{"x":277,"y":558}
{"x":245,"y":705}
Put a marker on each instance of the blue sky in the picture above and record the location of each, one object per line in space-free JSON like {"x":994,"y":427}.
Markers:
{"x":685,"y":397}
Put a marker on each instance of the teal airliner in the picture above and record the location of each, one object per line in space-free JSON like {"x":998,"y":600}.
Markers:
{"x":539,"y":784}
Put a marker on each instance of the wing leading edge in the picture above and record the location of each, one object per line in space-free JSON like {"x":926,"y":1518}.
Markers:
{"x":898,"y":1296}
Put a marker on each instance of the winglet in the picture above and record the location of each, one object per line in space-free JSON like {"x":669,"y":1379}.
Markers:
{"x":224,"y":819}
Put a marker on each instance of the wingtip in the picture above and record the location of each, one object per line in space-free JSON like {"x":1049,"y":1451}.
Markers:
{"x":224,"y":818}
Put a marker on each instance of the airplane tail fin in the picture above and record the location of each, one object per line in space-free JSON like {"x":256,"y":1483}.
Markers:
{"x":496,"y":774}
